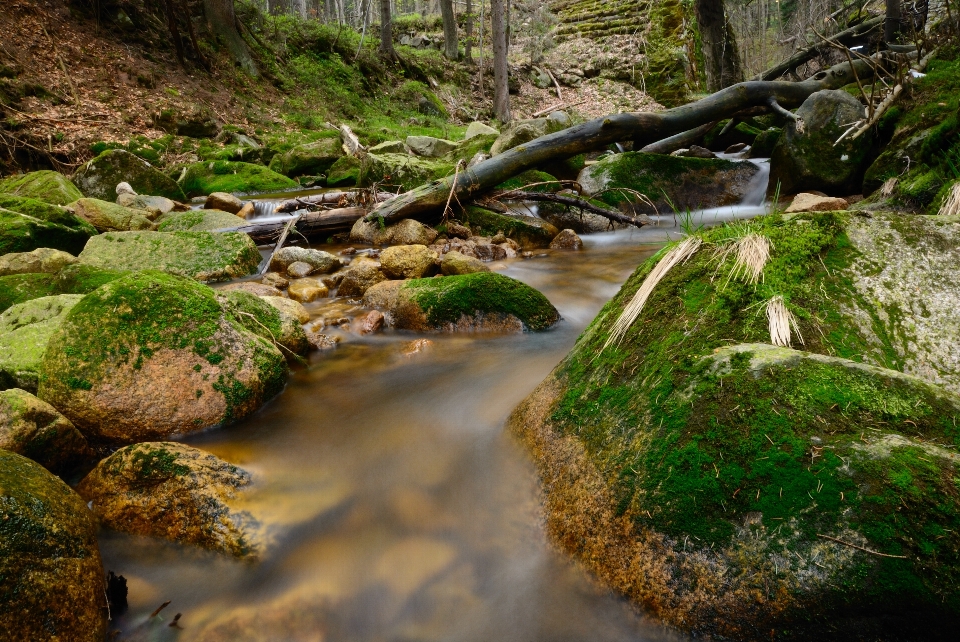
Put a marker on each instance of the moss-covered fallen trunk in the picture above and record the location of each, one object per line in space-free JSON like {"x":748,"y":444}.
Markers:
{"x":742,"y":490}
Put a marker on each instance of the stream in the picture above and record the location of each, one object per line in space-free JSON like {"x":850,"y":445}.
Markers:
{"x":393,"y":504}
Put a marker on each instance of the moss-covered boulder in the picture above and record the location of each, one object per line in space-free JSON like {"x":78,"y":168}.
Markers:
{"x":267,"y":321}
{"x":744,"y":132}
{"x":46,"y":212}
{"x":35,"y":429}
{"x":468,"y":148}
{"x":401,"y":171}
{"x":17,"y":288}
{"x":807,"y":159}
{"x":345,"y":172}
{"x":479,"y":302}
{"x":172,"y":491}
{"x":672,"y":183}
{"x":752,"y":491}
{"x":53,"y":586}
{"x":406,"y":232}
{"x":98,"y":178}
{"x":198,"y":221}
{"x":765,"y":142}
{"x":25,"y":329}
{"x":530,"y":232}
{"x":47,"y":186}
{"x":82,"y":279}
{"x":110,"y":217}
{"x":42,"y":259}
{"x":200,"y":179}
{"x":23,"y":233}
{"x":309,"y":159}
{"x":524,"y":130}
{"x":150,"y":355}
{"x":205,"y":256}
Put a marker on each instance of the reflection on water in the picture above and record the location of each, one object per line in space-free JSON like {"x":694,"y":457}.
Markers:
{"x":394,"y":505}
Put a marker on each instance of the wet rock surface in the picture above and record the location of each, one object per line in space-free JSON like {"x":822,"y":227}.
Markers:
{"x":34,"y":429}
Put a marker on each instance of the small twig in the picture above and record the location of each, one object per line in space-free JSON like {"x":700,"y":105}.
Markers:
{"x":555,"y":84}
{"x":456,"y":174}
{"x":280,"y":241}
{"x":860,"y":548}
{"x":160,"y":608}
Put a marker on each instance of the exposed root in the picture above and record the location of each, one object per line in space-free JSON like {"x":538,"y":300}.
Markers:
{"x":677,"y":255}
{"x":781,"y":321}
{"x":752,"y":253}
{"x":951,"y":204}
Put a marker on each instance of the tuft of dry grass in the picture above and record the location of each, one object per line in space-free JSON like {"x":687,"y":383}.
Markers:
{"x":677,"y":255}
{"x":888,"y":187}
{"x":781,"y":321}
{"x":751,"y":253}
{"x":951,"y":204}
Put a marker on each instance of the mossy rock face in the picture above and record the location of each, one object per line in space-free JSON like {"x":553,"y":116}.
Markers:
{"x":402,"y":170}
{"x":688,"y":183}
{"x":205,"y":256}
{"x":719,"y":463}
{"x":467,"y":149}
{"x":25,"y":330}
{"x":309,"y":159}
{"x":479,"y":302}
{"x":809,"y":160}
{"x":43,"y":259}
{"x":528,"y":231}
{"x":345,"y":172}
{"x":542,"y":182}
{"x":150,"y":355}
{"x":524,"y":131}
{"x":81,"y":279}
{"x":17,"y":288}
{"x":53,"y":585}
{"x":200,"y":179}
{"x":46,"y":185}
{"x":267,"y":322}
{"x":666,"y":51}
{"x":110,"y":217}
{"x":22,"y":233}
{"x":35,"y":429}
{"x":173,"y":491}
{"x":198,"y":221}
{"x":46,"y":212}
{"x":764,"y":143}
{"x":99,"y":177}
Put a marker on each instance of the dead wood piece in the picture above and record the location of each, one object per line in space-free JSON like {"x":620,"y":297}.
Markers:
{"x":573,"y":201}
{"x":338,"y":199}
{"x":860,"y":548}
{"x":351,"y":144}
{"x":280,"y":242}
{"x":309,"y":224}
{"x":679,"y":141}
{"x":641,"y":127}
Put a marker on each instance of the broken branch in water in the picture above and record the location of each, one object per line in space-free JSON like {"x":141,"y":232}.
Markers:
{"x":573,"y":201}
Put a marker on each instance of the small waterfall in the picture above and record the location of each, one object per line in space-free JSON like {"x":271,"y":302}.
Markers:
{"x":263,"y":208}
{"x":757,"y":188}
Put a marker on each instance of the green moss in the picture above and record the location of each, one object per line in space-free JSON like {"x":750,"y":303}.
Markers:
{"x":344,"y":173}
{"x":255,"y":315}
{"x":527,"y":231}
{"x":469,"y":148}
{"x":530,"y":177}
{"x":17,"y":288}
{"x":22,"y":233}
{"x":402,"y":170}
{"x":83,"y":279}
{"x":149,"y":464}
{"x":48,"y":186}
{"x":447,"y":299}
{"x":45,"y":212}
{"x":99,"y":177}
{"x":666,"y":76}
{"x":201,"y":179}
{"x":198,"y":221}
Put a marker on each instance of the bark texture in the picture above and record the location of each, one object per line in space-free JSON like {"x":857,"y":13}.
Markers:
{"x":721,"y":57}
{"x":386,"y":30}
{"x":501,"y":89}
{"x":451,"y":48}
{"x":223,"y":23}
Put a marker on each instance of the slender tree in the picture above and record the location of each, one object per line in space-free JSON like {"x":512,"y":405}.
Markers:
{"x":501,"y":87}
{"x":891,"y":26}
{"x":721,"y":56}
{"x":468,"y":44}
{"x":223,"y":23}
{"x":451,"y":48}
{"x":386,"y":30}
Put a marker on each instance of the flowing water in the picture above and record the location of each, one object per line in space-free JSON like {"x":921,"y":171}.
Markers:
{"x":394,"y":505}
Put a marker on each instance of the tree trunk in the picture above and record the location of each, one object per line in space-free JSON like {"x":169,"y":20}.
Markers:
{"x":721,"y":57}
{"x":642,"y":127}
{"x":175,"y":31}
{"x":891,"y":25}
{"x":223,"y":23}
{"x":299,"y":7}
{"x":451,"y":48}
{"x":386,"y":30}
{"x":468,"y":45}
{"x":501,"y":87}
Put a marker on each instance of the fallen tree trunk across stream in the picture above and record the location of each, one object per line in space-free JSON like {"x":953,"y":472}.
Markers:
{"x":641,"y":127}
{"x":310,"y":224}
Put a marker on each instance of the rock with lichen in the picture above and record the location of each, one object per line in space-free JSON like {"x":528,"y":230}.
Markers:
{"x":45,"y":185}
{"x":99,"y":177}
{"x":53,"y":587}
{"x":754,"y":479}
{"x":25,"y":330}
{"x":34,"y":429}
{"x":172,"y":491}
{"x":150,"y":355}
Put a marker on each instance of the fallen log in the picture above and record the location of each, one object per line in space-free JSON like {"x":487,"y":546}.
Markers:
{"x":346,"y":198}
{"x":310,"y":224}
{"x":573,"y":201}
{"x":679,"y":141}
{"x":641,"y":127}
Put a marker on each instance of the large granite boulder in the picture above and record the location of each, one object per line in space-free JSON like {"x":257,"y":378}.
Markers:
{"x":672,"y":183}
{"x":151,"y":355}
{"x":24,"y":233}
{"x":43,"y":259}
{"x":806,"y":157}
{"x":45,"y":185}
{"x":267,"y":321}
{"x":98,"y":178}
{"x":309,"y":159}
{"x":479,"y":302}
{"x":732,"y":486}
{"x":46,"y":212}
{"x":402,"y":170}
{"x":25,"y":330}
{"x":172,"y":491}
{"x":35,"y":429}
{"x":73,"y":279}
{"x":198,"y":221}
{"x":110,"y":217}
{"x":523,"y":131}
{"x":200,"y":179}
{"x":205,"y":256}
{"x":53,"y":586}
{"x":430,"y":147}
